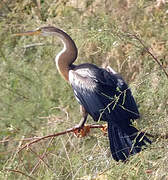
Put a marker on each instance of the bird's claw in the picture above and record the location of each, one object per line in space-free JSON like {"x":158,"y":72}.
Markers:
{"x":82,"y":131}
{"x":104,"y":129}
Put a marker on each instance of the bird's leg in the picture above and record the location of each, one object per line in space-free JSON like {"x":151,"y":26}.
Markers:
{"x":84,"y":117}
{"x":82,"y":130}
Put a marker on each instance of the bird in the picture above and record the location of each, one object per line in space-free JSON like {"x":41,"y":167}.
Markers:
{"x":102,"y":93}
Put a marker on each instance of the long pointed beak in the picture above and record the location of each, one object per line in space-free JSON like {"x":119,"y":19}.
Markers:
{"x":29,"y":33}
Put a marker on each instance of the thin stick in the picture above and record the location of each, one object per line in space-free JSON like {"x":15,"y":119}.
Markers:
{"x":57,"y":134}
{"x":41,"y":158}
{"x":148,"y":51}
{"x":17,"y":171}
{"x":15,"y":140}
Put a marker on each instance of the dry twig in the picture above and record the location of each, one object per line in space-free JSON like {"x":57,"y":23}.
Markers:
{"x":41,"y":158}
{"x":150,"y":53}
{"x":74,"y":129}
{"x":20,"y":172}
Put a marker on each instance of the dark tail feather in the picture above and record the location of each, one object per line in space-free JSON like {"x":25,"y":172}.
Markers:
{"x":124,"y":143}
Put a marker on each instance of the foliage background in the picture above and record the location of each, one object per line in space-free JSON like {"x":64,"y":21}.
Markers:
{"x":35,"y":101}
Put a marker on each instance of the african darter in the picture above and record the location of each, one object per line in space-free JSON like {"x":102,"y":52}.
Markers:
{"x":101,"y":93}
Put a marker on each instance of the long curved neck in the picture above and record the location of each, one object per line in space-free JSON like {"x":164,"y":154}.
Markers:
{"x":67,"y":56}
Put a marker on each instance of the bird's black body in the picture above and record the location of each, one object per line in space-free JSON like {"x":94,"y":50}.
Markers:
{"x":105,"y":96}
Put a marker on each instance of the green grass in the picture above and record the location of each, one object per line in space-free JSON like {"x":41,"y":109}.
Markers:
{"x":35,"y":100}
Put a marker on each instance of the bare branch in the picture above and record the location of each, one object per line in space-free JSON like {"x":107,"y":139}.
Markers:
{"x":17,"y":171}
{"x":150,"y":53}
{"x":57,"y":134}
{"x":41,"y":158}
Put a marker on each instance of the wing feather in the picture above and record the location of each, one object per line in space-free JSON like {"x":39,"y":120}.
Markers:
{"x":104,"y":96}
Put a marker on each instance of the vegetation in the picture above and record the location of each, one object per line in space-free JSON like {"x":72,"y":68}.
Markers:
{"x":35,"y":100}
